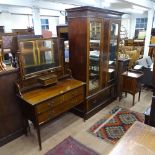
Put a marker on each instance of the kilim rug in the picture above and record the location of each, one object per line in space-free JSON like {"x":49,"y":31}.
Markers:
{"x":113,"y":126}
{"x":70,"y":146}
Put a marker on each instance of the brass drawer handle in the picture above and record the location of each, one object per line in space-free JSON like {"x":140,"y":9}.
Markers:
{"x":53,"y":111}
{"x":50,"y":115}
{"x":49,"y":104}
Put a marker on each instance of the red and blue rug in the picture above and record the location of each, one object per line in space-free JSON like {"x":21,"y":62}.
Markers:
{"x":70,"y":146}
{"x":113,"y":126}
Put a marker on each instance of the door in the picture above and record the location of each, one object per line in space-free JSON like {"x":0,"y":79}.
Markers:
{"x":113,"y":50}
{"x":94,"y":54}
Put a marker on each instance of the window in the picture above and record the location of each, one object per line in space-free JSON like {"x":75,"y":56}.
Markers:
{"x":44,"y":24}
{"x":141,"y":23}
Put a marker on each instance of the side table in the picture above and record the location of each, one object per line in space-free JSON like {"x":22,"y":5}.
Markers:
{"x":131,"y":84}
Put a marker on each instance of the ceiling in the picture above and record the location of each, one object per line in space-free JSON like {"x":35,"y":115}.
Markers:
{"x":126,"y":6}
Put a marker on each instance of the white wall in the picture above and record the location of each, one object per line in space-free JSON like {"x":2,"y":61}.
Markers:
{"x":125,"y":22}
{"x":61,"y":19}
{"x":53,"y":22}
{"x":153,"y":25}
{"x":20,"y":21}
{"x":6,"y":20}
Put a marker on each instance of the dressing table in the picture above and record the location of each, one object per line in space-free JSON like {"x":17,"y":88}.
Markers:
{"x":44,"y":90}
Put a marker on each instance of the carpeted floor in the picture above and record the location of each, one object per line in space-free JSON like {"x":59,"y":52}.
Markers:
{"x":114,"y":125}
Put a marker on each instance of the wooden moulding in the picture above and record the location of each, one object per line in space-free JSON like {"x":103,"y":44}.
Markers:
{"x":48,"y":80}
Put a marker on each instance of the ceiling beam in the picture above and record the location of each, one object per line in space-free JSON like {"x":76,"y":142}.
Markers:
{"x":142,"y":3}
{"x":37,"y":3}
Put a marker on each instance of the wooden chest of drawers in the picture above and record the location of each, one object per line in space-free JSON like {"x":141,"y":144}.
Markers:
{"x":61,"y":103}
{"x":43,"y":104}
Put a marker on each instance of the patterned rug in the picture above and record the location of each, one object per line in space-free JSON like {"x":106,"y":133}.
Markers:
{"x":113,"y":126}
{"x":70,"y":146}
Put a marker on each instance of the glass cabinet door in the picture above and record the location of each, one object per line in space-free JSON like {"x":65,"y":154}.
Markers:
{"x":94,"y":54}
{"x":114,"y":32}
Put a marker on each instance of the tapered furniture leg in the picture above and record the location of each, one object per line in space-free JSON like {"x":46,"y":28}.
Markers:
{"x":26,"y":126}
{"x":133,"y":99}
{"x":39,"y":137}
{"x":139,"y":95}
{"x":126,"y":94}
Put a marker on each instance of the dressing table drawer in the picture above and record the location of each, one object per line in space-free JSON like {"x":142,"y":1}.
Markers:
{"x":73,"y":94}
{"x":44,"y":117}
{"x":48,"y":104}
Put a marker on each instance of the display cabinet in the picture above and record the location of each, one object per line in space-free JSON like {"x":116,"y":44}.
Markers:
{"x":44,"y":90}
{"x":93,"y":43}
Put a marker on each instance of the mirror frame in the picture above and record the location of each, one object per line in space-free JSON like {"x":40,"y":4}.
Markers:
{"x":58,"y":56}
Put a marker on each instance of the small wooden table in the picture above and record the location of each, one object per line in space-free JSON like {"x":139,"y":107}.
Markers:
{"x":131,"y":83}
{"x":138,"y":140}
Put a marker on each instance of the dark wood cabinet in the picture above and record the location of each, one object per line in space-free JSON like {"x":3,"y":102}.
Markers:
{"x":93,"y":43}
{"x":11,"y":119}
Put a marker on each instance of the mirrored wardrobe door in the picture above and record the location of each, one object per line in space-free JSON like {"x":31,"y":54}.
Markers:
{"x":114,"y":36}
{"x":94,"y":54}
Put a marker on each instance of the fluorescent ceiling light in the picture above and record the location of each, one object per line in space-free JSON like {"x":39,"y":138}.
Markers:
{"x":111,"y":1}
{"x":105,"y":4}
{"x":90,"y":1}
{"x":134,"y":11}
{"x":139,"y":8}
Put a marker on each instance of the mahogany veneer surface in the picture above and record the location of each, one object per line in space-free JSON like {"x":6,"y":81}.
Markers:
{"x":138,"y":140}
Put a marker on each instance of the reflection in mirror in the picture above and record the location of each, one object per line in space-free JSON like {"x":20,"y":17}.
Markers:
{"x":113,"y":52}
{"x":66,"y":45}
{"x":38,"y":55}
{"x":94,"y":55}
{"x":114,"y":30}
{"x":45,"y":52}
{"x":29,"y":56}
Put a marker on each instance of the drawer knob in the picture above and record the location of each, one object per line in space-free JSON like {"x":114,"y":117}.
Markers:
{"x":49,"y":115}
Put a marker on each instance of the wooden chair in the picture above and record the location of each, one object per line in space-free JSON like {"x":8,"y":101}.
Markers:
{"x":151,"y":50}
{"x":130,"y":42}
{"x":152,"y":41}
{"x":2,"y":67}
